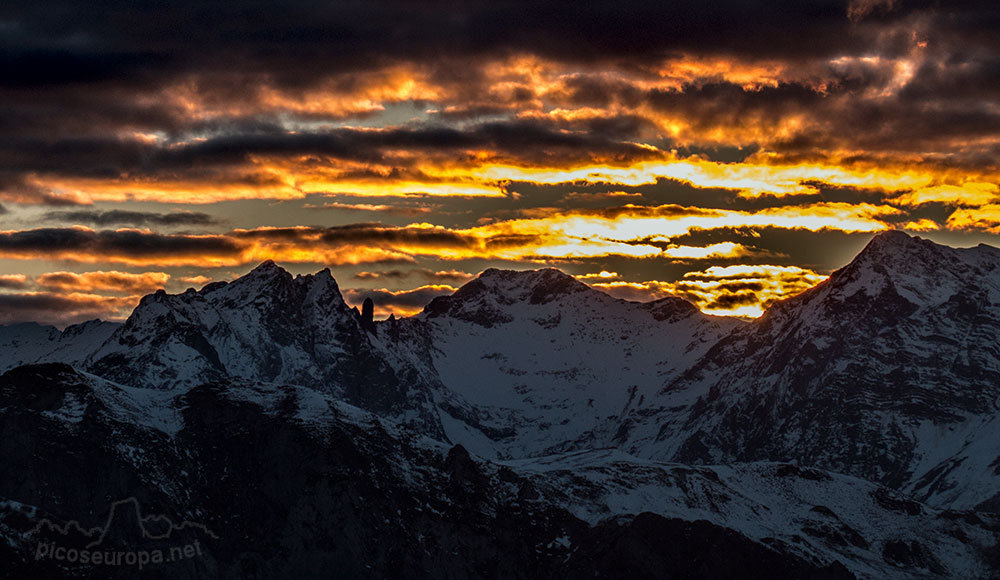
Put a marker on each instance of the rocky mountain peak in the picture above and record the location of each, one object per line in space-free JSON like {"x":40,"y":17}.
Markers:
{"x":891,"y":238}
{"x":267,"y":267}
{"x":266,"y":273}
{"x":905,"y":272}
{"x":263,"y":324}
{"x":901,"y":338}
{"x":535,"y":286}
{"x":899,"y":252}
{"x":899,"y":248}
{"x":670,"y":308}
{"x":491,"y":297}
{"x":918,"y":270}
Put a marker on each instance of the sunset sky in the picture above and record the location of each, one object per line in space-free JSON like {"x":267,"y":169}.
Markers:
{"x":732,"y":153}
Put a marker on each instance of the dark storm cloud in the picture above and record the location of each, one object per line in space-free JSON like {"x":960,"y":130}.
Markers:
{"x":96,"y":157}
{"x":384,"y":209}
{"x":825,"y":250}
{"x":728,"y":105}
{"x":667,"y":210}
{"x":99,"y":157}
{"x":734,"y":300}
{"x":35,"y":68}
{"x":14,"y":187}
{"x":441,"y":276}
{"x":740,"y":287}
{"x":367,"y":234}
{"x":358,"y":234}
{"x":126,"y":243}
{"x":527,"y":139}
{"x":60,"y":309}
{"x":839,"y":116}
{"x":78,"y":83}
{"x":238,"y":246}
{"x":54,"y":44}
{"x":383,"y":275}
{"x":124,"y":50}
{"x":958,"y":76}
{"x":946,"y":135}
{"x":138,"y":244}
{"x":71,"y":42}
{"x":13,"y":281}
{"x":133,"y":218}
{"x":295,"y":43}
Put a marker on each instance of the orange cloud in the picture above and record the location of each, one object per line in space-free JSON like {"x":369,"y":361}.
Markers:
{"x":196,"y":280}
{"x":113,"y":281}
{"x":381,"y":208}
{"x":482,"y":173}
{"x":123,"y":246}
{"x":452,"y":275}
{"x":743,"y":290}
{"x":921,"y":225}
{"x":602,"y":275}
{"x":365,"y":93}
{"x":719,"y":250}
{"x":634,"y":291}
{"x":607,"y":196}
{"x":974,"y":194}
{"x":693,"y":70}
{"x":398,"y":302}
{"x":13,"y":281}
{"x":738,"y":290}
{"x":631,"y":231}
{"x":749,"y":178}
{"x":62,"y":309}
{"x":640,"y":231}
{"x":985,"y":218}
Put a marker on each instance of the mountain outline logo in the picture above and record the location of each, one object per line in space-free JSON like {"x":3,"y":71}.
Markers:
{"x":123,"y":540}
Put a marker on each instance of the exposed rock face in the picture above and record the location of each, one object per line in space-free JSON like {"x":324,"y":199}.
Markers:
{"x":637,"y":550}
{"x":289,"y":483}
{"x":368,"y":315}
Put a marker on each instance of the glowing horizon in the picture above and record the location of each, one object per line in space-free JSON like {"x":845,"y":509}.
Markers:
{"x":409,"y":160}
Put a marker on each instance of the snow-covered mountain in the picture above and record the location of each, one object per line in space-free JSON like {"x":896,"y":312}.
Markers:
{"x":512,"y":364}
{"x":830,"y":437}
{"x":536,"y":362}
{"x":266,"y":326}
{"x":29,"y":343}
{"x":889,"y":370}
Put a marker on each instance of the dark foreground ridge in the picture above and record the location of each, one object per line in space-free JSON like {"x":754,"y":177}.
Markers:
{"x":286,"y":500}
